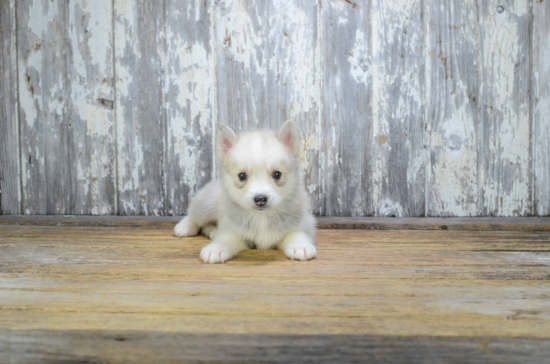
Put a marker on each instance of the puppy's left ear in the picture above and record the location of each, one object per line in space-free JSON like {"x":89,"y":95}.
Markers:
{"x":289,"y":135}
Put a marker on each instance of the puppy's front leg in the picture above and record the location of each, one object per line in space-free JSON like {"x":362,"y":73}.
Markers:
{"x":224,"y":246}
{"x":298,"y":245}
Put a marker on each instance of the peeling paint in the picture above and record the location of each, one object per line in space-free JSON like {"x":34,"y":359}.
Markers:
{"x":190,"y":93}
{"x":306,"y":144}
{"x":359,"y":59}
{"x":506,"y":187}
{"x":399,"y":162}
{"x":42,"y":13}
{"x":241,"y":38}
{"x":389,"y":208}
{"x":383,"y":135}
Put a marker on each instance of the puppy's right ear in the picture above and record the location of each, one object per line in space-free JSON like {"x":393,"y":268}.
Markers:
{"x":225,"y":140}
{"x":290,"y":136}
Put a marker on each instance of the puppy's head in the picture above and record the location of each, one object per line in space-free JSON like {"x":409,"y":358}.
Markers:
{"x":259,"y":169}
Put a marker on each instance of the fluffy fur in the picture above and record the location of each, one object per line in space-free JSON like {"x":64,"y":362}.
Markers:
{"x":226,"y":210}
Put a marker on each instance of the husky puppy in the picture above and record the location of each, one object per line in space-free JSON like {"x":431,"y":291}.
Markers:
{"x":259,"y":201}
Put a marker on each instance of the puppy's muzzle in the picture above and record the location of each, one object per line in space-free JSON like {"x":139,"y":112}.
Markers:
{"x":260,"y":200}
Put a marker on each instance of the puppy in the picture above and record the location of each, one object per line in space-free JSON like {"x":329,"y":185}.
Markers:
{"x":259,"y":201}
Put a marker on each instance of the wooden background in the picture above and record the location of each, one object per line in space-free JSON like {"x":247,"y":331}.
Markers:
{"x":407,"y":107}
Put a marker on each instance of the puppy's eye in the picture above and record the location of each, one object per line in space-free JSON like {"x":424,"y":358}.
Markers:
{"x":242,"y":176}
{"x":277,"y":175}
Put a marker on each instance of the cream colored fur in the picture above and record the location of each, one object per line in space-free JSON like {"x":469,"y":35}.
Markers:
{"x":225,"y":209}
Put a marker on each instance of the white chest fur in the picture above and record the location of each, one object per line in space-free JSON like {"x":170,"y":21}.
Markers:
{"x":260,"y":231}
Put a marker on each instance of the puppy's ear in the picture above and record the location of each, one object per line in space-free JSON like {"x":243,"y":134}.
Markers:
{"x":225,"y":140}
{"x":289,"y":135}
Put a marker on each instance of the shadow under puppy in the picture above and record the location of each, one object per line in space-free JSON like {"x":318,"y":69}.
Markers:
{"x":260,"y":199}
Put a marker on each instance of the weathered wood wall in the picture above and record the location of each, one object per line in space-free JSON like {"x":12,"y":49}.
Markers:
{"x":407,"y":107}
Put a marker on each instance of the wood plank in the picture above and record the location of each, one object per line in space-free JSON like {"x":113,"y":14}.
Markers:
{"x":345,"y":160}
{"x":267,"y":72}
{"x":467,"y":305}
{"x":453,"y":114}
{"x":187,"y":269}
{"x":479,"y":326}
{"x":304,"y":287}
{"x":366,"y":223}
{"x":32,"y":235}
{"x":44,"y":110}
{"x":428,"y":255}
{"x":339,"y":236}
{"x":497,"y":255}
{"x":10,"y":168}
{"x":66,"y":93}
{"x":428,"y":247}
{"x":75,"y":289}
{"x":425,"y":223}
{"x":506,"y":138}
{"x":240,"y":41}
{"x":90,"y":77}
{"x":190,"y":92}
{"x":528,"y":308}
{"x":160,"y":347}
{"x":140,"y":116}
{"x":399,"y":154}
{"x":541,"y":107}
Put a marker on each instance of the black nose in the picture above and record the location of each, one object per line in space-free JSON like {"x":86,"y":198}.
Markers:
{"x":260,"y":200}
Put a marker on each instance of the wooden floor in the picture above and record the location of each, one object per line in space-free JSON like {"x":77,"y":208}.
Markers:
{"x":120,"y":294}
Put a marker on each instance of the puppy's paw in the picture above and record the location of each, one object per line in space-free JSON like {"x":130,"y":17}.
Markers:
{"x":215,"y":253}
{"x":300,"y":250}
{"x":186,"y":228}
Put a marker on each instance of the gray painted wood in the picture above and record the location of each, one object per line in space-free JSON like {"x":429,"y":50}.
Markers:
{"x":140,"y":117}
{"x":399,"y":154}
{"x":44,"y":114}
{"x":65,"y":73}
{"x":190,"y":100}
{"x":345,"y":145}
{"x":407,"y":108}
{"x":541,"y":107}
{"x":506,"y":137}
{"x":10,"y":171}
{"x":90,"y":78}
{"x":453,"y":115}
{"x":241,"y":63}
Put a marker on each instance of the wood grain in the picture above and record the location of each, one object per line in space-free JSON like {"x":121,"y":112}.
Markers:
{"x":506,"y":168}
{"x":365,"y":223}
{"x":162,"y":347}
{"x":399,"y":154}
{"x":84,"y":294}
{"x":407,"y":108}
{"x":90,"y":78}
{"x":44,"y":109}
{"x":241,"y":39}
{"x":346,"y":165}
{"x":541,"y":107}
{"x":66,"y":94}
{"x":190,"y":105}
{"x":139,"y":107}
{"x":10,"y":168}
{"x":453,"y":113}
